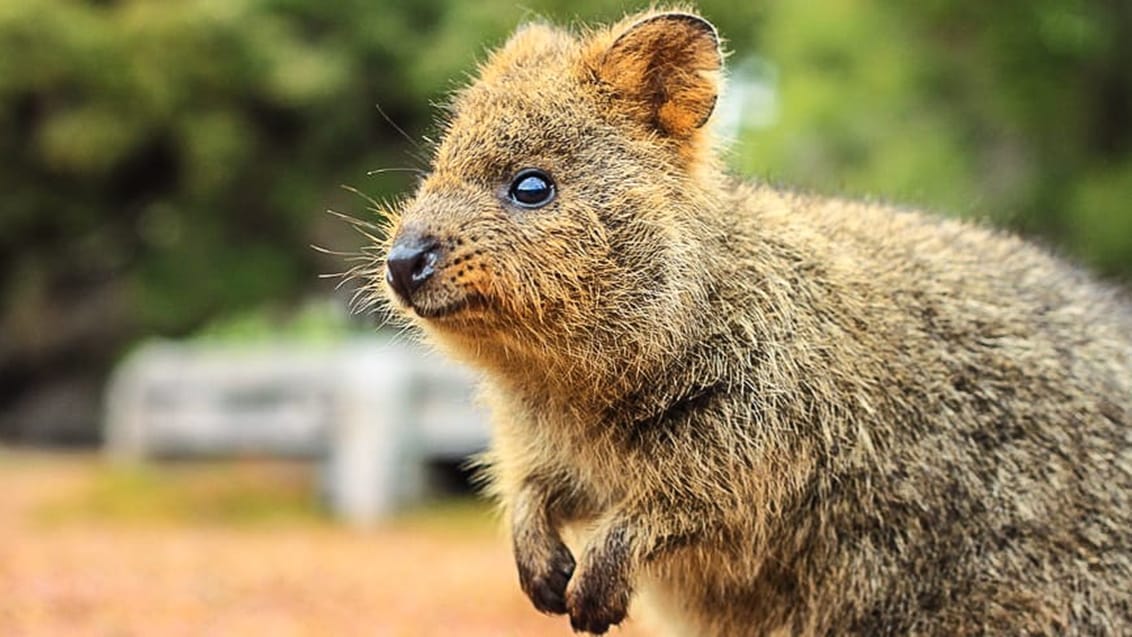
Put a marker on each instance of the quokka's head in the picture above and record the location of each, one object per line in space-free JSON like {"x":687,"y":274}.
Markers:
{"x":562,"y":202}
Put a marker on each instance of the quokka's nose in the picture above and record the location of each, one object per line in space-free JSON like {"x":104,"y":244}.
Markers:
{"x":411,"y":261}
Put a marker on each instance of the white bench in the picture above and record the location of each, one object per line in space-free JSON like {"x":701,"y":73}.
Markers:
{"x":374,"y":411}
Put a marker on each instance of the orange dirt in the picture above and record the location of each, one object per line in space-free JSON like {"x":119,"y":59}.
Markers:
{"x":65,"y":570}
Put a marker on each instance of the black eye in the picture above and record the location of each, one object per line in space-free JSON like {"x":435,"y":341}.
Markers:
{"x":532,"y":188}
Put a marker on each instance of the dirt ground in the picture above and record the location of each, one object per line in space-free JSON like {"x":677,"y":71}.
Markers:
{"x":241,"y":549}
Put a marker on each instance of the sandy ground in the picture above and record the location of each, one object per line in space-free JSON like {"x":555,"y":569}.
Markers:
{"x":71,"y":566}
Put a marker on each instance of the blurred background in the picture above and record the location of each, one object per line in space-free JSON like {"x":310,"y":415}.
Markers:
{"x":165,"y":168}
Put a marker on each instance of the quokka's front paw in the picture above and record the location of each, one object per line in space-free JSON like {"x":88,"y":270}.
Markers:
{"x":543,"y":574}
{"x":596,"y":600}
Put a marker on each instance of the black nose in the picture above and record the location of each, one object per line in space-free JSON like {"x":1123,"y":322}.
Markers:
{"x":410,"y":263}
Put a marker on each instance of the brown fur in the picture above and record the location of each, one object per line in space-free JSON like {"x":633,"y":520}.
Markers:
{"x":759,"y":412}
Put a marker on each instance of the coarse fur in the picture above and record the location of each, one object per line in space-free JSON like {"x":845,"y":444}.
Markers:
{"x":747,"y":411}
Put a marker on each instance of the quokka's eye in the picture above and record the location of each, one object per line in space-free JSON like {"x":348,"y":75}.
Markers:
{"x":531,"y":188}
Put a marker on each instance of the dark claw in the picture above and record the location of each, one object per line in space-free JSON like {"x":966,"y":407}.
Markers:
{"x":595,"y":613}
{"x":596,"y":621}
{"x":547,"y":589}
{"x":593,"y":627}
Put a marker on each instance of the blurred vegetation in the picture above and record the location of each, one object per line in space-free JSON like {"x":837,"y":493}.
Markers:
{"x":241,"y":492}
{"x":226,"y":493}
{"x":1016,"y":111}
{"x":312,"y":324}
{"x":167,"y":164}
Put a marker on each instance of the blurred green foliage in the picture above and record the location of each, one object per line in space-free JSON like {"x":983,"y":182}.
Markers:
{"x":166,"y":164}
{"x":313,"y":324}
{"x":1016,"y":111}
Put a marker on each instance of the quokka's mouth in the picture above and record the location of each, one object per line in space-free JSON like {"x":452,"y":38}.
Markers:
{"x":440,"y":311}
{"x":453,"y":309}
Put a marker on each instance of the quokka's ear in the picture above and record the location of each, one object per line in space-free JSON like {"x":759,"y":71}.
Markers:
{"x":665,"y":67}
